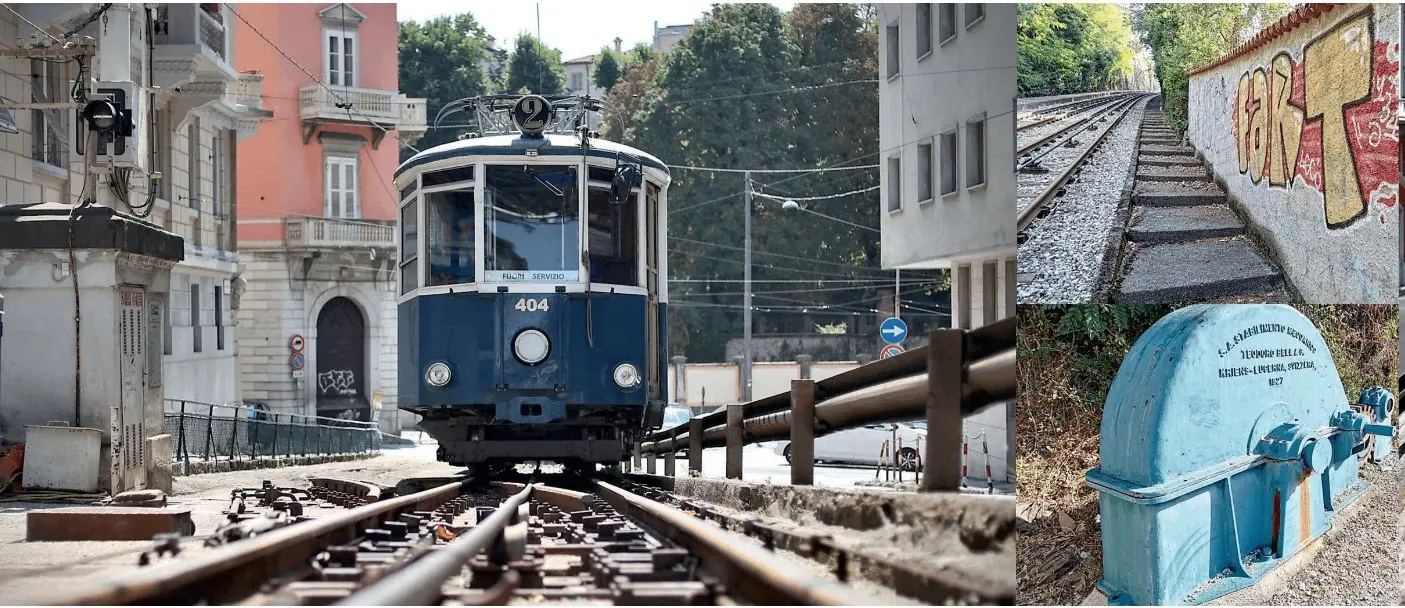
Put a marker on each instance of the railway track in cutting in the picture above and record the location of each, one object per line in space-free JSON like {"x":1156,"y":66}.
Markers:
{"x":459,"y":541}
{"x":1049,"y":163}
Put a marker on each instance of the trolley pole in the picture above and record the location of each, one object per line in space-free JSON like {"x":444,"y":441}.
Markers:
{"x":746,"y":299}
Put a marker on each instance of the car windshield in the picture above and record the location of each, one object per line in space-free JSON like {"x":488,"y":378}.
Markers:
{"x":918,"y":425}
{"x":533,"y":223}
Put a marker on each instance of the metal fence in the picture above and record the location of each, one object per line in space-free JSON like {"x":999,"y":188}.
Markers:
{"x":957,"y":374}
{"x":206,"y":431}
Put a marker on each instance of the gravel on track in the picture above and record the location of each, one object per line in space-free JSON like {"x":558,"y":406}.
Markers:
{"x":1060,"y":260}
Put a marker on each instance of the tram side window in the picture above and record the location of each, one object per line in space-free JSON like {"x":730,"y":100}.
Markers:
{"x":409,"y":247}
{"x":449,"y":230}
{"x":613,"y":239}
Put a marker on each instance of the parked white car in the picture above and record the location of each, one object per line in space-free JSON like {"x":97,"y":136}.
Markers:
{"x":864,"y":445}
{"x":674,"y":415}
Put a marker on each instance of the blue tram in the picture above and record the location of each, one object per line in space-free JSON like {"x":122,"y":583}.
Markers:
{"x":533,"y":291}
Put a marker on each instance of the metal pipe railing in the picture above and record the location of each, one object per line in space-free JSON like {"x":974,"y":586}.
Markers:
{"x":917,"y":384}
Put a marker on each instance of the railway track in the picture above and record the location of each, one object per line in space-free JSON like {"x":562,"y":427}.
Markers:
{"x":1183,"y":241}
{"x":559,"y":538}
{"x":1045,"y":116}
{"x":1051,"y":162}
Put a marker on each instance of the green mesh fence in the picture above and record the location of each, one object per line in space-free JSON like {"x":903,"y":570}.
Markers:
{"x":202,"y":431}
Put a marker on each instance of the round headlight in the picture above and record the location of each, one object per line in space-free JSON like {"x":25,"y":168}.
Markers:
{"x":437,"y":375}
{"x":626,"y":376}
{"x":531,"y":346}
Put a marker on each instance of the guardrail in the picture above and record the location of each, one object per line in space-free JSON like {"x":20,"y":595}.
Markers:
{"x":959,"y":373}
{"x":206,"y":431}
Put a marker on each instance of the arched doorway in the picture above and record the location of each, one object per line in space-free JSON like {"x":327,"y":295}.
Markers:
{"x":341,"y":361}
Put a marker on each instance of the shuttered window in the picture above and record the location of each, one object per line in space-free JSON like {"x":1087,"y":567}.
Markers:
{"x":342,"y":195}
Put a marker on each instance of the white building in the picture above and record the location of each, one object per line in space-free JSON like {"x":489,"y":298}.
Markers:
{"x":194,"y":107}
{"x":669,"y":36}
{"x":947,"y":141}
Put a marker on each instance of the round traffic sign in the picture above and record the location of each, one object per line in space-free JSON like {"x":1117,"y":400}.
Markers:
{"x":892,"y":330}
{"x":530,"y":113}
{"x":298,"y":361}
{"x":296,"y":343}
{"x":891,"y":350}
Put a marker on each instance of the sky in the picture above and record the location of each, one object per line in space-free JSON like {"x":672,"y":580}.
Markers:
{"x":575,"y":28}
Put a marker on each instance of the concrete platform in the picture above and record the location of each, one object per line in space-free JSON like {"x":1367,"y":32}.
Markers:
{"x":1172,"y":173}
{"x":1160,"y":160}
{"x":1170,"y":193}
{"x":1180,"y":224}
{"x":1169,"y":150}
{"x":107,"y":523}
{"x":1198,"y":271}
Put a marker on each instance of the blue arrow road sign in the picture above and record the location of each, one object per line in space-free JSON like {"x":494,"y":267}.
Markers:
{"x":891,"y":350}
{"x":892,"y":330}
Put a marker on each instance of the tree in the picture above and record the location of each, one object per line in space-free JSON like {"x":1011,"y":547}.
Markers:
{"x":1072,"y":48}
{"x":625,"y":101}
{"x":442,"y":60}
{"x":534,"y":68}
{"x":1183,"y":37}
{"x":609,"y":66}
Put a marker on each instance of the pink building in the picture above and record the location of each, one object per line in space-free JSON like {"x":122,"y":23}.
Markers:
{"x":316,"y":209}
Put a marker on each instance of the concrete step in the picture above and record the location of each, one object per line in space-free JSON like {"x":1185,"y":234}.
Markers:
{"x":1173,"y":193}
{"x":1182,"y":224}
{"x":1199,"y":271}
{"x":1169,"y":150}
{"x":1160,"y":160}
{"x":1172,"y":173}
{"x":1159,"y":141}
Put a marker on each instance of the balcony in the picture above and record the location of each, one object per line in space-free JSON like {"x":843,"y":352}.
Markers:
{"x":319,"y":105}
{"x":192,"y":55}
{"x":330,"y":233}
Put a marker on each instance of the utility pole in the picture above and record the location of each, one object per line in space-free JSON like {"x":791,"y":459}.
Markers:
{"x":897,"y":290}
{"x":746,"y":297}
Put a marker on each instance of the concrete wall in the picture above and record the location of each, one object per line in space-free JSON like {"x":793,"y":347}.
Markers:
{"x":1302,"y":133}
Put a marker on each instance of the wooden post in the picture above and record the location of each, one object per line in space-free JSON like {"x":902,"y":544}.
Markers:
{"x":668,"y":458}
{"x":637,"y":465}
{"x":735,"y":437}
{"x":695,"y":442}
{"x":802,"y":432}
{"x":946,"y":356}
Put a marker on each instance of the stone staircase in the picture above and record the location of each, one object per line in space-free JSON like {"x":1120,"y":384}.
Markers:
{"x":1183,"y":242}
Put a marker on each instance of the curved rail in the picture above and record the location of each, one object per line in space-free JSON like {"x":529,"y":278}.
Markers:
{"x":1068,"y":110}
{"x":1027,"y":215}
{"x":232,"y":572}
{"x":1109,"y":104}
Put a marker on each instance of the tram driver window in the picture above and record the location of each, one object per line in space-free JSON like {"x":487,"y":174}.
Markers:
{"x":449,"y":228}
{"x":532,"y":223}
{"x":612,"y":233}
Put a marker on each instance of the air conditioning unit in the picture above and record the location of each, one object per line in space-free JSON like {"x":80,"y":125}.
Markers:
{"x":119,"y":150}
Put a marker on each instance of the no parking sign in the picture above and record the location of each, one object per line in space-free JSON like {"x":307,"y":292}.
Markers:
{"x":891,"y":350}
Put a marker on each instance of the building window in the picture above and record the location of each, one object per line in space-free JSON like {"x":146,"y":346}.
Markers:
{"x":924,"y":172}
{"x":895,"y":184}
{"x":192,"y":164}
{"x":161,"y":153}
{"x":577,"y":81}
{"x":924,"y":29}
{"x":341,"y":191}
{"x":948,"y":152}
{"x":195,"y":331}
{"x":50,"y":126}
{"x":894,"y":50}
{"x":217,"y":172}
{"x":975,"y":153}
{"x":974,"y":13}
{"x":219,"y":317}
{"x":341,"y":57}
{"x":947,"y":27}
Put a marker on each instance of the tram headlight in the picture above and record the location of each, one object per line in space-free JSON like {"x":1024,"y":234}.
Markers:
{"x":531,"y":346}
{"x":626,"y":376}
{"x":437,"y":375}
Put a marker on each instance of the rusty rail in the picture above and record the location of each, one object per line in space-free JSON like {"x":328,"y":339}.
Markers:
{"x":959,"y":373}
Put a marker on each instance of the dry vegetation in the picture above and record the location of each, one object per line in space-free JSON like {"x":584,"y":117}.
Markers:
{"x":1067,"y":358}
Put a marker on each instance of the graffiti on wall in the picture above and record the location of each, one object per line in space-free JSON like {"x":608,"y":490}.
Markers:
{"x":340,"y":382}
{"x":1326,"y":119}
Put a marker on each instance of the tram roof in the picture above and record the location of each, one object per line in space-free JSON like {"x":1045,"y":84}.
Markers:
{"x":550,"y":144}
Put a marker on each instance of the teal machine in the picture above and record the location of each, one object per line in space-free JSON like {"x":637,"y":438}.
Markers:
{"x":1227,"y":445}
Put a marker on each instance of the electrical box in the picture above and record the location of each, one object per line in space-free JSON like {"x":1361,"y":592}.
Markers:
{"x":1227,"y":444}
{"x":127,"y":149}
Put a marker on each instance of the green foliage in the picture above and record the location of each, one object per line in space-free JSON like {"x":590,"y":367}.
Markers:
{"x":1072,"y":48}
{"x":641,"y":52}
{"x":535,"y":68}
{"x":609,"y":66}
{"x":1183,"y":37}
{"x":442,"y":60}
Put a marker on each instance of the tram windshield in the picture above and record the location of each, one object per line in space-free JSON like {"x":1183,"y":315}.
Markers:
{"x":532,"y":223}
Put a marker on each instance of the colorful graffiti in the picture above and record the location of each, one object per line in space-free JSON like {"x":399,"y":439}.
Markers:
{"x":1327,"y":120}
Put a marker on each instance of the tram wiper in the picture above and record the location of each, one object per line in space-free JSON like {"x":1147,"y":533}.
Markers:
{"x":549,"y":186}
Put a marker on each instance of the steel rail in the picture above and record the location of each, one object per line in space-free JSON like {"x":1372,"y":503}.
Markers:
{"x":988,"y":381}
{"x":1027,"y":215}
{"x":746,"y":571}
{"x":420,"y":583}
{"x":232,"y":572}
{"x":1056,"y":104}
{"x":1107,"y":106}
{"x":1067,"y":109}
